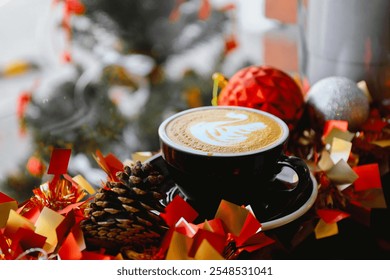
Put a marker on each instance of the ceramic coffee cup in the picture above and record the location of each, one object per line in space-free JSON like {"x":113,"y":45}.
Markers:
{"x":232,"y":153}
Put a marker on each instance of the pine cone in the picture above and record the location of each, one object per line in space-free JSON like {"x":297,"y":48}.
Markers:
{"x":124,"y":214}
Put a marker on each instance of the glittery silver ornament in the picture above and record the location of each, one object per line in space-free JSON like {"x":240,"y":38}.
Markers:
{"x":338,"y":98}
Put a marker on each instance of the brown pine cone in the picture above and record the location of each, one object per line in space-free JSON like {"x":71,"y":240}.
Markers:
{"x":126,"y":213}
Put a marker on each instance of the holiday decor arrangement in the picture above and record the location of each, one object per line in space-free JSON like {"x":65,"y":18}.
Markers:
{"x":120,"y":203}
{"x":129,"y":216}
{"x":124,"y":219}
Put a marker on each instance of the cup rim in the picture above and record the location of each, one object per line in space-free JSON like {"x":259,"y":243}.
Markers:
{"x":167,"y":141}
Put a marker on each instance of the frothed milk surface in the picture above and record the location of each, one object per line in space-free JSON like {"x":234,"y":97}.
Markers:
{"x":224,"y":130}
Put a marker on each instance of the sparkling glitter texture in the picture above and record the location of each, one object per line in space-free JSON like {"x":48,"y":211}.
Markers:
{"x":338,"y":98}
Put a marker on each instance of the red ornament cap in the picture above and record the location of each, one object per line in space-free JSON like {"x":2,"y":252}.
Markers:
{"x":267,"y":89}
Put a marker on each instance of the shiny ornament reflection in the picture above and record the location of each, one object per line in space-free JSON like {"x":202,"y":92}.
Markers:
{"x":338,"y":98}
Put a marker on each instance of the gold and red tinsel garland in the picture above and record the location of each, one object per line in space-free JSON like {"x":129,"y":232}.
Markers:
{"x":47,"y":226}
{"x":368,"y":161}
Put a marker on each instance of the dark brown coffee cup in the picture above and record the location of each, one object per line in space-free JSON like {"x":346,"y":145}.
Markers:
{"x":232,"y":153}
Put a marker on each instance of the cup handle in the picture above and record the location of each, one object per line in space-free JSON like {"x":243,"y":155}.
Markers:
{"x":300,"y":168}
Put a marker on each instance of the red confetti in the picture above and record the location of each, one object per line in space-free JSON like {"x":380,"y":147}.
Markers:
{"x":217,"y":241}
{"x":216,"y":225}
{"x":32,"y":214}
{"x":230,"y":43}
{"x":204,"y":10}
{"x":226,"y":243}
{"x":110,"y":164}
{"x":324,"y":180}
{"x":73,"y":207}
{"x":70,"y":250}
{"x":256,"y":242}
{"x":228,"y":7}
{"x":113,"y":163}
{"x":88,"y":255}
{"x":250,"y":227}
{"x":66,"y":57}
{"x":185,"y":228}
{"x":64,"y":228}
{"x":5,"y":198}
{"x":25,"y":239}
{"x":330,"y":124}
{"x":23,"y":101}
{"x":4,"y":248}
{"x":332,"y":215}
{"x":59,"y":161}
{"x":369,"y":177}
{"x":178,"y":208}
{"x":175,"y":13}
{"x":74,"y":7}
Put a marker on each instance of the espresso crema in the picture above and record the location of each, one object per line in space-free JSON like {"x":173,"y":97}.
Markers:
{"x":224,"y":130}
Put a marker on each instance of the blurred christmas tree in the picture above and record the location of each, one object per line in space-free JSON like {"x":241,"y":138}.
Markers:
{"x":130,"y":64}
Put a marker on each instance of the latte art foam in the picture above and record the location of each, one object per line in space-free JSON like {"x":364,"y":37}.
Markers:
{"x":226,"y":133}
{"x":224,"y":130}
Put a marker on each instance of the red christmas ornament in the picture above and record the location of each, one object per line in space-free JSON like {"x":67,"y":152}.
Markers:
{"x":36,"y":166}
{"x":267,"y":89}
